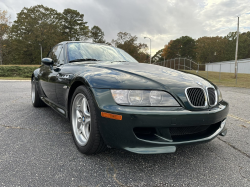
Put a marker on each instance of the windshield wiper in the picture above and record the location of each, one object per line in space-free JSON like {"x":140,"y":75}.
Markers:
{"x":84,"y":59}
{"x":120,"y":61}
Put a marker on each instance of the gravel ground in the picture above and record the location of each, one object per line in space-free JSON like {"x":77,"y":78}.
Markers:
{"x":37,"y":149}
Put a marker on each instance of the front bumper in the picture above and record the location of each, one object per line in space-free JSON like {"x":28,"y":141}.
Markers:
{"x":123,"y":134}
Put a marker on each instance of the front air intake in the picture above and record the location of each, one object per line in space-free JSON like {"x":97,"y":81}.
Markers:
{"x":179,"y":131}
{"x":196,"y":97}
{"x":212,"y":96}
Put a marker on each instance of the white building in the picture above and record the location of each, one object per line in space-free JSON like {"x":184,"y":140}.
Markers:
{"x":229,"y":66}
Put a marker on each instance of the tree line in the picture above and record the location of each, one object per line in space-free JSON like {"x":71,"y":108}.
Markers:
{"x":206,"y":49}
{"x":43,"y":26}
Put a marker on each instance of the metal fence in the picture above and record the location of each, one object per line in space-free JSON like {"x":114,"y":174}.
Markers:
{"x":182,"y":64}
{"x":220,"y":72}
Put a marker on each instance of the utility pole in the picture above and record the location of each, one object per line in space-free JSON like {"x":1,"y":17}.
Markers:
{"x":150,"y":47}
{"x":1,"y":52}
{"x":41,"y":53}
{"x":236,"y":52}
{"x":41,"y":48}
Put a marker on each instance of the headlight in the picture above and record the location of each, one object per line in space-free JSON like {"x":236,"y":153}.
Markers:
{"x":219,"y":95}
{"x":143,"y":98}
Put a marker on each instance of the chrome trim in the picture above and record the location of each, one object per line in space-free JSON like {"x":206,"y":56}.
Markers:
{"x":205,"y":94}
{"x":216,"y":96}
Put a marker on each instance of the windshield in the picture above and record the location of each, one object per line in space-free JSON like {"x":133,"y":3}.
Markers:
{"x":98,"y":52}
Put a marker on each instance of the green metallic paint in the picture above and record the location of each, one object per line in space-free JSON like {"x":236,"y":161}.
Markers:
{"x":120,"y":133}
{"x":56,"y":82}
{"x":125,"y":75}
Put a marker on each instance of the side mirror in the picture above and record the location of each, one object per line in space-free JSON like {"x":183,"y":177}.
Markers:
{"x":47,"y":61}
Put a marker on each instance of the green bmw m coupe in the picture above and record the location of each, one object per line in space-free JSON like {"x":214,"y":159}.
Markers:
{"x":111,"y":100}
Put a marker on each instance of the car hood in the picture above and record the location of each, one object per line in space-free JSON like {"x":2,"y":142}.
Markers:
{"x":165,"y":77}
{"x":127,"y":75}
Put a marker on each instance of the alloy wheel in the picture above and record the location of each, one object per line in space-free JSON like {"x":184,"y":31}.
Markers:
{"x":81,"y":119}
{"x":33,"y":94}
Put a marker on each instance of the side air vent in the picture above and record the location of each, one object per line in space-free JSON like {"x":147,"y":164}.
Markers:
{"x":212,"y":96}
{"x":196,"y":97}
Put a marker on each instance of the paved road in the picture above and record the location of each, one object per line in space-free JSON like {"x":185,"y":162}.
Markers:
{"x":36,"y":149}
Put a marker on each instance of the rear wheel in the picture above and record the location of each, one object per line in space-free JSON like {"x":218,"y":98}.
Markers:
{"x":35,"y":98}
{"x":84,"y":122}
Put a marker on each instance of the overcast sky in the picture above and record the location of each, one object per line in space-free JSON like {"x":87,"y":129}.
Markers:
{"x":161,"y":20}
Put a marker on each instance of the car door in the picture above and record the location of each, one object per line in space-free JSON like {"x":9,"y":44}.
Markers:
{"x":48,"y":75}
{"x":63,"y":79}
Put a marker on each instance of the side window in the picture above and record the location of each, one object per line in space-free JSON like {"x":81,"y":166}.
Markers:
{"x":55,"y":54}
{"x":61,"y":56}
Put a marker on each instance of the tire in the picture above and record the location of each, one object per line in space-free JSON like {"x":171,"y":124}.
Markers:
{"x":35,"y":98}
{"x":84,"y":122}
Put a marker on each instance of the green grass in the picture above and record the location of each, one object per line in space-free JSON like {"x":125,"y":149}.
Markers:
{"x":225,"y":79}
{"x":17,"y":71}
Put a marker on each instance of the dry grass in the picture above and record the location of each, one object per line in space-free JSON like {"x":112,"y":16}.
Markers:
{"x":14,"y":78}
{"x":225,"y":79}
{"x":37,"y":66}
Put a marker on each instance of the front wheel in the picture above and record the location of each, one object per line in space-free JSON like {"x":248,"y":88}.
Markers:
{"x":35,"y":98}
{"x":84,"y":122}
